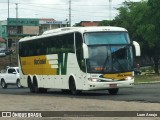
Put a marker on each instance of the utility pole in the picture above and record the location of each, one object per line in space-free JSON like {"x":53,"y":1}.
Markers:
{"x":110,"y":1}
{"x":8,"y":8}
{"x":8,"y":25}
{"x":10,"y":58}
{"x":69,"y":13}
{"x":16,"y":28}
{"x":16,"y":10}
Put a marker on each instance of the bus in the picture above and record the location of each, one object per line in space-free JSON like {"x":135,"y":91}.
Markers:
{"x":77,"y":59}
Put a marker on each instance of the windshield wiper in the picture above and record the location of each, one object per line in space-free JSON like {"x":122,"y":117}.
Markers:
{"x":115,"y":58}
{"x":106,"y":60}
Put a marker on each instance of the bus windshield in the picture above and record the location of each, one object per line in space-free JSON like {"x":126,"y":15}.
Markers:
{"x":106,"y":38}
{"x":109,"y":52}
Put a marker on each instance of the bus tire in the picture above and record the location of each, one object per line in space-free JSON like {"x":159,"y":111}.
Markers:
{"x":3,"y":84}
{"x":30,"y":85}
{"x":65,"y":91}
{"x":113,"y":91}
{"x":72,"y":87}
{"x":42,"y":90}
{"x":35,"y":85}
{"x":31,"y":88}
{"x":36,"y":89}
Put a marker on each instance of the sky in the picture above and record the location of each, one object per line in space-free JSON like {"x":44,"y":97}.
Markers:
{"x":81,"y":10}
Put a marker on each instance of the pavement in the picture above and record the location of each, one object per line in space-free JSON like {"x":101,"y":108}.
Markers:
{"x":153,"y":82}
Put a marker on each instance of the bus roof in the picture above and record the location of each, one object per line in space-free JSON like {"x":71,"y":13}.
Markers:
{"x":65,"y":30}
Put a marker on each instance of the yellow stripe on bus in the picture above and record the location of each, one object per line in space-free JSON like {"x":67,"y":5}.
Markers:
{"x":118,"y":76}
{"x":38,"y":65}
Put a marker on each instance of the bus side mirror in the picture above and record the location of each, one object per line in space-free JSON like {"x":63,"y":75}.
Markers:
{"x":137,"y":48}
{"x":85,"y":51}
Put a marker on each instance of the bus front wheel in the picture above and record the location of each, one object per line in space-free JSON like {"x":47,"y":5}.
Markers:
{"x":72,"y":87}
{"x":113,"y":91}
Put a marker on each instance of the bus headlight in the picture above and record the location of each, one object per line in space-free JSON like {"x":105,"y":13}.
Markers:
{"x":94,"y":80}
{"x":129,"y":78}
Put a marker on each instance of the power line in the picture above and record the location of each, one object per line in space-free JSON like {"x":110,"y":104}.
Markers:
{"x":34,"y":8}
{"x":74,"y":10}
{"x":59,"y":8}
{"x":31,"y":3}
{"x":48,"y":7}
{"x":63,"y":4}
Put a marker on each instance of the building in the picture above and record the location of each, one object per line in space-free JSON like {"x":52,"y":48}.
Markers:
{"x":3,"y":29}
{"x":88,"y":23}
{"x":48,"y":24}
{"x":16,"y":28}
{"x":2,"y":44}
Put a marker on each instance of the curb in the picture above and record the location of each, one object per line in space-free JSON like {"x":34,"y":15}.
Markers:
{"x":154,"y":82}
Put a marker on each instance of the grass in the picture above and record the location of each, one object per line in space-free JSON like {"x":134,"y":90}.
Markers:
{"x":147,"y":78}
{"x":147,"y":75}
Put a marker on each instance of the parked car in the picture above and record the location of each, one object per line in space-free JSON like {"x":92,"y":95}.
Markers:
{"x":7,"y":51}
{"x":2,"y":54}
{"x":10,"y":77}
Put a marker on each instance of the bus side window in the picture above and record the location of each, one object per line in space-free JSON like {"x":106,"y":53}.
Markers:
{"x":66,"y":43}
{"x":48,"y":45}
{"x":51,"y":44}
{"x":79,"y":51}
{"x":42,"y":46}
{"x":21,"y":49}
{"x":26,"y":53}
{"x":70,"y":43}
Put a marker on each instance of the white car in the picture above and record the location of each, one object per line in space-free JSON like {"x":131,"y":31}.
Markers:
{"x":11,"y":77}
{"x":2,"y":54}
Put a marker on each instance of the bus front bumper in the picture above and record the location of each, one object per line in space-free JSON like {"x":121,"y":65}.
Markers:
{"x":109,"y":85}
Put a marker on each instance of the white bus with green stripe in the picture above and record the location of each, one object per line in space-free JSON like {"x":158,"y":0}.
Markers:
{"x":78,"y":59}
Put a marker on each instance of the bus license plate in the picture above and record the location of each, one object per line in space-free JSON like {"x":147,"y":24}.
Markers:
{"x":112,"y":85}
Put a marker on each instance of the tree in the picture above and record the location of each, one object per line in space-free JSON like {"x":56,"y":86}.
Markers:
{"x":151,"y":31}
{"x":142,"y":20}
{"x":106,"y":23}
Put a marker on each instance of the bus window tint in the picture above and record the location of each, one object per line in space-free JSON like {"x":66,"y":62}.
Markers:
{"x":107,"y":38}
{"x":79,"y":50}
{"x":67,"y":43}
{"x":48,"y":45}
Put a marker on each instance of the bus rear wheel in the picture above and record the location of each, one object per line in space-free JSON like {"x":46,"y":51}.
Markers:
{"x":113,"y":91}
{"x":36,"y":88}
{"x":42,"y":90}
{"x":31,"y":88}
{"x":65,"y":91}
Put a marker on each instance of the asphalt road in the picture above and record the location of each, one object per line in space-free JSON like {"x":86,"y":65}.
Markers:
{"x":146,"y":93}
